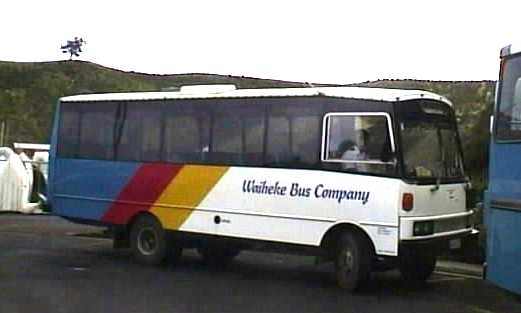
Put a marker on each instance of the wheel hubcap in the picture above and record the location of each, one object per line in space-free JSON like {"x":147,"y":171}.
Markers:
{"x":147,"y":241}
{"x":347,"y":261}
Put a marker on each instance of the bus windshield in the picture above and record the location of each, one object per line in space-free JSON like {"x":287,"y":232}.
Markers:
{"x":509,"y":114}
{"x":430,"y":144}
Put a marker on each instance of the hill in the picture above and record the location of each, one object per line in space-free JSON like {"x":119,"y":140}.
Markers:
{"x":29,"y":91}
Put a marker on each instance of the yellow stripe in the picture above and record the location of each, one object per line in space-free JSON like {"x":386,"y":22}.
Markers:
{"x":188,"y":188}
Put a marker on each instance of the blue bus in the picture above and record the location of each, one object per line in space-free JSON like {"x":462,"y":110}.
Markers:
{"x":503,"y":197}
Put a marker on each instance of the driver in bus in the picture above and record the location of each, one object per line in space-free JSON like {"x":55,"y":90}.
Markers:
{"x":356,"y":151}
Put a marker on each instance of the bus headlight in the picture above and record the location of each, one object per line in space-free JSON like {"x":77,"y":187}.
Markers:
{"x":423,"y":228}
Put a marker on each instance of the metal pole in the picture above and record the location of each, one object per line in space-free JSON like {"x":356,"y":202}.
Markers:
{"x":6,"y":134}
{"x":2,"y":134}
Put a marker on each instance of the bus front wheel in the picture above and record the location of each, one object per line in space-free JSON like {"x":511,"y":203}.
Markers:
{"x":416,"y":265}
{"x":352,"y":261}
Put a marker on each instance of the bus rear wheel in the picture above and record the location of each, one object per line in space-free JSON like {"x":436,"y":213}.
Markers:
{"x":352,"y":261}
{"x":416,"y":265}
{"x":149,"y":242}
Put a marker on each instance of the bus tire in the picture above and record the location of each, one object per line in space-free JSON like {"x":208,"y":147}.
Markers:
{"x":216,"y":255}
{"x":416,"y":265}
{"x":148,"y":241}
{"x":352,"y":261}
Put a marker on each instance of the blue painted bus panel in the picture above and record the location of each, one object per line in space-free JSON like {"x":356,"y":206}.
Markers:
{"x":89,"y":192}
{"x":504,"y":249}
{"x":505,"y":171}
{"x":503,"y":225}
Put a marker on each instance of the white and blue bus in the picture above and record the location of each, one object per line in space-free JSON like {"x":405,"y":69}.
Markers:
{"x":503,"y":197}
{"x":367,"y":178}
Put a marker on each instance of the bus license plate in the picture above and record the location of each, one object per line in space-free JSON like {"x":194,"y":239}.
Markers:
{"x":455,"y":244}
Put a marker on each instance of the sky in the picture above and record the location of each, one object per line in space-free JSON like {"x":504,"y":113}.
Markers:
{"x":308,"y":41}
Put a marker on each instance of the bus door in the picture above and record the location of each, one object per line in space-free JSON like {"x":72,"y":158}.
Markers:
{"x":503,"y":198}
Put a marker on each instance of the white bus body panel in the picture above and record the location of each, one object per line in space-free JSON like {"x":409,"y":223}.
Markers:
{"x":300,"y":219}
{"x":445,"y":205}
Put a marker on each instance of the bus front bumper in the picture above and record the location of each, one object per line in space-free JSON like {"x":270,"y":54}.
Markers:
{"x":444,"y":231}
{"x":436,"y":227}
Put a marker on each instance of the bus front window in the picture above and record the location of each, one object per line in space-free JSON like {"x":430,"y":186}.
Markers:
{"x":509,"y":114}
{"x":430,"y":144}
{"x":430,"y":150}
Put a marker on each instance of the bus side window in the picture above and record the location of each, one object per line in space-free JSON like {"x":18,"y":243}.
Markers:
{"x":140,"y":135}
{"x":278,"y":146}
{"x":237,"y":139}
{"x":128,"y":132}
{"x":97,"y":131}
{"x":253,"y":136}
{"x":359,"y":143}
{"x":69,"y":132}
{"x":182,"y":139}
{"x":306,"y":139}
{"x":294,"y":134}
{"x":185,"y":133}
{"x":151,"y":136}
{"x":226,"y":139}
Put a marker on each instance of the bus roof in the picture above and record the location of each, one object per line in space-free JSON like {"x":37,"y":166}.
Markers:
{"x":366,"y":93}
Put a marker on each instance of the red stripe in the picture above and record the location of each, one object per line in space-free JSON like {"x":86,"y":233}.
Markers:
{"x":145,"y":186}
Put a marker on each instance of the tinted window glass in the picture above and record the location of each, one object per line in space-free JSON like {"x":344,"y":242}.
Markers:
{"x":185,"y":133}
{"x":294,"y":134}
{"x":97,"y":125}
{"x":127,"y":133}
{"x":138,"y":133}
{"x":254,"y":134}
{"x":278,"y":140}
{"x":305,"y":143}
{"x":68,"y":138}
{"x":238,"y":133}
{"x":151,"y":133}
{"x":227,"y":134}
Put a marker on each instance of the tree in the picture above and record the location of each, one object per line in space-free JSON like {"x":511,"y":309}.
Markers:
{"x":73,"y":47}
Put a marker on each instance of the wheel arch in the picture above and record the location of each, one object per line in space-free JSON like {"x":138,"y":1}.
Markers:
{"x":329,"y":239}
{"x":121,"y":232}
{"x":138,"y":215}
